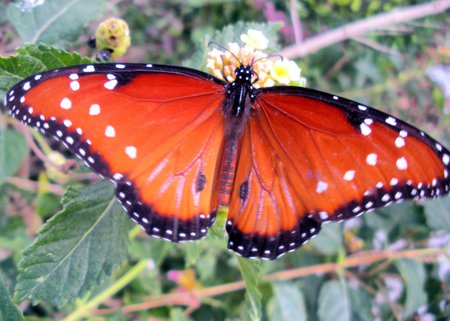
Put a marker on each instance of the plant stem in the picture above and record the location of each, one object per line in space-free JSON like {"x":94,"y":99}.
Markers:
{"x":84,"y":309}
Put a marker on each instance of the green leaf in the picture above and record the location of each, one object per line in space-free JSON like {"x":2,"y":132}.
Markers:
{"x":251,"y":273}
{"x":361,"y":305}
{"x":47,"y":204}
{"x":31,"y":59}
{"x":57,"y":23}
{"x":436,"y":213}
{"x":287,"y":303}
{"x":334,"y":302}
{"x":177,"y":314}
{"x":8,"y":310}
{"x":329,"y":241}
{"x":413,"y":274}
{"x":76,"y":249}
{"x":13,"y":148}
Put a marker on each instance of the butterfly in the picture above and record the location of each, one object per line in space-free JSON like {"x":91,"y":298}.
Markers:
{"x":179,"y":143}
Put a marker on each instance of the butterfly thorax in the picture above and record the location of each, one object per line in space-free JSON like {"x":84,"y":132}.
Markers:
{"x":241,"y":91}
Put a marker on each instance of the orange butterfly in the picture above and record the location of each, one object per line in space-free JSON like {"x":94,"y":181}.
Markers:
{"x":177,"y":143}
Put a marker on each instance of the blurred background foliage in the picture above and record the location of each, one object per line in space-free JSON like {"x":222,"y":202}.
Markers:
{"x":402,"y":69}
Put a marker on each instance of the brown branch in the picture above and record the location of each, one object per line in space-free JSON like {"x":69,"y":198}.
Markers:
{"x":34,"y":186}
{"x":362,"y":258}
{"x":361,"y":27}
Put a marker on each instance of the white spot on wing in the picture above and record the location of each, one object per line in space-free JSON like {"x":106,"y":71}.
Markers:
{"x":399,"y":142}
{"x":74,"y":85}
{"x":391,"y":121}
{"x":26,"y":86}
{"x":371,"y":159}
{"x":321,"y":187}
{"x":65,"y":103}
{"x":349,"y":175}
{"x":110,"y":84}
{"x":402,"y":164}
{"x":89,"y":68}
{"x":94,"y":109}
{"x":131,"y":151}
{"x":365,"y":130}
{"x":110,"y":131}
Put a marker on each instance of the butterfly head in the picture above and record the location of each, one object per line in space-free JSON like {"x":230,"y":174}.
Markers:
{"x":244,"y":75}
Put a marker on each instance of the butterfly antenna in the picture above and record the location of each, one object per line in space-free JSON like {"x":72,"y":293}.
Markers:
{"x":270,"y":56}
{"x":224,"y":49}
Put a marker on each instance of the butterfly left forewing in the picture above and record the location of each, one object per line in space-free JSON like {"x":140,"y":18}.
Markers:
{"x":155,"y":131}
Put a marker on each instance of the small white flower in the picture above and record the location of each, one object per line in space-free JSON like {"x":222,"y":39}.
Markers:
{"x":285,"y":71}
{"x":255,"y":39}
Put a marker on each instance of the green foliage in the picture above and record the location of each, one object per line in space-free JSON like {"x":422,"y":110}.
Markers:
{"x":76,"y":249}
{"x":335,"y":301}
{"x":13,"y":148}
{"x":251,"y":273}
{"x":31,"y":59}
{"x":329,"y":241}
{"x":413,"y":274}
{"x":8,"y":310}
{"x":436,"y":213}
{"x":287,"y":303}
{"x":56,"y":23}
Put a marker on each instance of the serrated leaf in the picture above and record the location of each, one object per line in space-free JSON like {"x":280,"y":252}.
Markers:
{"x":413,"y":274}
{"x":287,"y":303}
{"x":54,"y":22}
{"x":251,"y":273}
{"x":334,"y":302}
{"x":76,"y":249}
{"x":437,"y":214}
{"x":8,"y":310}
{"x":13,"y":148}
{"x":329,"y":240}
{"x":31,"y":59}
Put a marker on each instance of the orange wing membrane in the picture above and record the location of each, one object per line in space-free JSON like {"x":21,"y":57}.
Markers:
{"x":155,"y":133}
{"x":309,"y":157}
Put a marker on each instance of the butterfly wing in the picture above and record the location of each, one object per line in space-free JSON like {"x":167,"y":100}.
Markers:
{"x":309,"y":157}
{"x":155,"y":131}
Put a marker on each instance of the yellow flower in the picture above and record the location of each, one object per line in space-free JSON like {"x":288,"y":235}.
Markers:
{"x":286,"y":72}
{"x":255,"y":39}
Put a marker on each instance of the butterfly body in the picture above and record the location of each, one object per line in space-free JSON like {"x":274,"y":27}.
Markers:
{"x":177,"y":143}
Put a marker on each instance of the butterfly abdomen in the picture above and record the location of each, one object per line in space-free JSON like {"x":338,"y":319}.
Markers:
{"x":227,"y":172}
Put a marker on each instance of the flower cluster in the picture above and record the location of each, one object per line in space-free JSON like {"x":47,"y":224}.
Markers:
{"x":270,"y":71}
